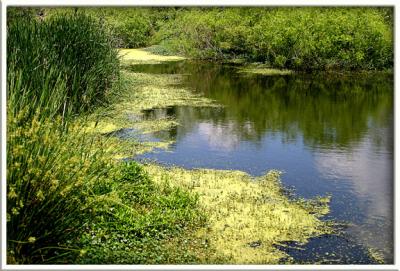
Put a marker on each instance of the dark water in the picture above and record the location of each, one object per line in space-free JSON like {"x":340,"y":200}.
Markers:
{"x":329,"y":134}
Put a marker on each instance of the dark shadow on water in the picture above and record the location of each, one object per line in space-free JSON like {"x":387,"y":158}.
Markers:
{"x":327,"y":249}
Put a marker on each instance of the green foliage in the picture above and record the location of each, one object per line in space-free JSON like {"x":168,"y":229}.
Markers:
{"x":134,"y":32}
{"x":301,"y":38}
{"x":296,"y":38}
{"x":132,"y":172}
{"x":324,"y":38}
{"x":64,"y":64}
{"x":18,"y":13}
{"x":55,"y":67}
{"x":131,"y":27}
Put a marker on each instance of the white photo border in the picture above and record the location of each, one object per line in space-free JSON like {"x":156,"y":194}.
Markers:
{"x":160,"y":3}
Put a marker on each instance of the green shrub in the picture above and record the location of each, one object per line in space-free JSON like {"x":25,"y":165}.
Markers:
{"x":131,"y":27}
{"x":298,"y":38}
{"x":324,"y":38}
{"x":133,"y":33}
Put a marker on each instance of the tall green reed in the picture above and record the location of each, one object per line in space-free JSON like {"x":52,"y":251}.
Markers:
{"x":73,"y":50}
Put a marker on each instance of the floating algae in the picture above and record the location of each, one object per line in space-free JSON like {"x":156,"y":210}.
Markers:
{"x":247,"y":215}
{"x":140,"y":56}
{"x":141,"y":92}
{"x":264,"y":70}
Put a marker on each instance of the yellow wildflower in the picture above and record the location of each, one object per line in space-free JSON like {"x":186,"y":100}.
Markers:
{"x":11,"y":193}
{"x":39,"y":195}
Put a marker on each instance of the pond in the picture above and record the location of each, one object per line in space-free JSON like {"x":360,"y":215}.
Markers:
{"x":329,"y":134}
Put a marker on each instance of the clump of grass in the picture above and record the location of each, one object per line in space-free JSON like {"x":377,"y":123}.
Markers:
{"x":55,"y":68}
{"x":244,"y":210}
{"x":64,"y":64}
{"x":51,"y":172}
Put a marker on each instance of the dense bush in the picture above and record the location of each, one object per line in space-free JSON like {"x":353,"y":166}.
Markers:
{"x":303,"y":38}
{"x":134,"y":27}
{"x":298,"y":38}
{"x":327,"y":38}
{"x":131,"y":27}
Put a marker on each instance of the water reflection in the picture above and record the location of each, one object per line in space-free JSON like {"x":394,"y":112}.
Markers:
{"x":366,"y":167}
{"x":329,"y":134}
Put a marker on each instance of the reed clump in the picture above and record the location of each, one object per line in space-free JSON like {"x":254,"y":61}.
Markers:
{"x":64,"y":64}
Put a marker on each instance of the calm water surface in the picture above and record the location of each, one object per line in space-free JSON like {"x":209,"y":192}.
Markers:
{"x":330,"y":135}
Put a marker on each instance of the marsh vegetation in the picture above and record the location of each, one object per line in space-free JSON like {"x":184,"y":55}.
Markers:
{"x":78,"y":107}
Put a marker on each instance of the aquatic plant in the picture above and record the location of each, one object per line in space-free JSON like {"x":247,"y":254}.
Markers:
{"x":135,"y":220}
{"x":139,"y":92}
{"x":261,"y":69}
